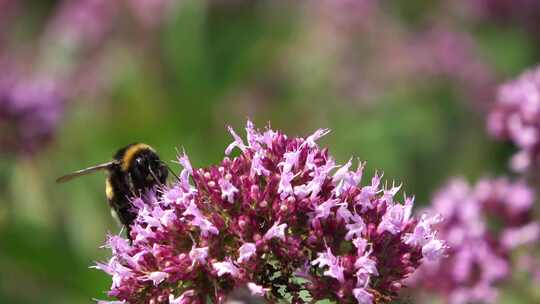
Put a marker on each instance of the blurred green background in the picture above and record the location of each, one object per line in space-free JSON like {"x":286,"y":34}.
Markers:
{"x":208,"y":64}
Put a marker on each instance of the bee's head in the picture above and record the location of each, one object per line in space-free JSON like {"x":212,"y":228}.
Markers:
{"x":147,"y":170}
{"x":143,"y":165}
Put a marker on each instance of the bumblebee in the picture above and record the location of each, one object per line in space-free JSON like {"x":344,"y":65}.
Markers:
{"x":134,"y":169}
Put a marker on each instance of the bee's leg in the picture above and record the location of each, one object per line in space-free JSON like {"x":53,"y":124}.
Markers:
{"x":154,"y":176}
{"x":128,"y":234}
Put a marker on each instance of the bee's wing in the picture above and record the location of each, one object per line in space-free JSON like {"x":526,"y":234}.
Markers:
{"x":85,"y":171}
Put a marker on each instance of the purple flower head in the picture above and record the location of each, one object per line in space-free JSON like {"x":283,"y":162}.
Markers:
{"x":198,"y":255}
{"x":363,"y":296}
{"x":30,"y":110}
{"x":346,"y":14}
{"x":396,"y":218}
{"x":85,"y":21}
{"x":524,"y":13}
{"x":246,"y":251}
{"x":90,"y":21}
{"x":276,"y":231}
{"x":256,"y":290}
{"x":278,"y":211}
{"x":150,"y":13}
{"x":335,"y":264}
{"x":443,"y":52}
{"x":479,"y":251}
{"x":515,"y":116}
{"x":226,"y":267}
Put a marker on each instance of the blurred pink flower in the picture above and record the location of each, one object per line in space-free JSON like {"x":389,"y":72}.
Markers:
{"x":451,"y":54}
{"x":84,"y":22}
{"x":515,"y":117}
{"x":150,"y":12}
{"x":524,"y":13}
{"x":479,"y":253}
{"x":30,"y":109}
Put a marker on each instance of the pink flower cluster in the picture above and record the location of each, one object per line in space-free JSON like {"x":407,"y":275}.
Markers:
{"x":516,"y":116}
{"x":281,"y":219}
{"x":523,"y":13}
{"x":483,"y":225}
{"x":30,"y":110}
{"x":88,"y":22}
{"x":454,"y":55}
